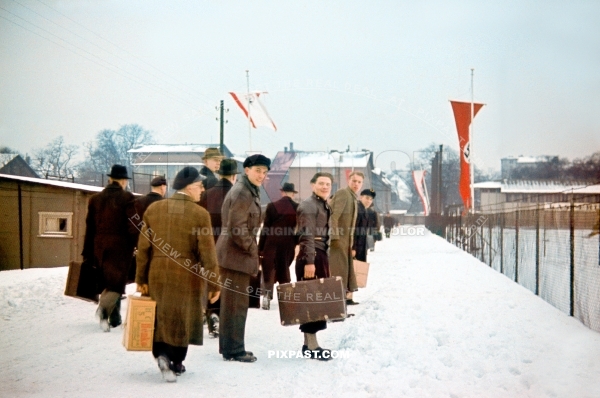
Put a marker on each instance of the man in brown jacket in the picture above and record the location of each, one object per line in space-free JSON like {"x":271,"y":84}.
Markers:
{"x":344,"y":205}
{"x":109,"y":241}
{"x":238,"y":256}
{"x":176,"y":254}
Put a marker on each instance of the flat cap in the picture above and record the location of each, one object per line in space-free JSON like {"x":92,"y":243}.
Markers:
{"x":158,"y":181}
{"x":186,"y":176}
{"x":257,"y":160}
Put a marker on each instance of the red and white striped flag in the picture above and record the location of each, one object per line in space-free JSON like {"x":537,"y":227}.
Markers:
{"x":254,"y":109}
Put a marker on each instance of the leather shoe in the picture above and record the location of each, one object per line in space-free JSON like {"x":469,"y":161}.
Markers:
{"x":318,"y":353}
{"x":245,"y":356}
{"x":351,"y":302}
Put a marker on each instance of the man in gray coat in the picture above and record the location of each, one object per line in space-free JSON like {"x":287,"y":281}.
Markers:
{"x":237,"y":253}
{"x":344,"y":205}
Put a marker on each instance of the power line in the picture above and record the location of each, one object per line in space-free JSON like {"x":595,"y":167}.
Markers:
{"x":122,"y":49}
{"x":139,"y":80}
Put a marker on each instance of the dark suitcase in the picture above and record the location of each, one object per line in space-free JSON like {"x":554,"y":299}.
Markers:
{"x":82,"y":281}
{"x":255,"y":291}
{"x":309,"y":301}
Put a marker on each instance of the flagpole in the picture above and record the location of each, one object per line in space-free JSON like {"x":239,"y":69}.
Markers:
{"x":248,"y":105}
{"x":471,"y":167}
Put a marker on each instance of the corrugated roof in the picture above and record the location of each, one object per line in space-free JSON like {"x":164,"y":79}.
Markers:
{"x":55,"y":183}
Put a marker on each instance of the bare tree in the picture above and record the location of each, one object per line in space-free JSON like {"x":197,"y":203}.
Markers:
{"x":55,"y":159}
{"x":111,"y":147}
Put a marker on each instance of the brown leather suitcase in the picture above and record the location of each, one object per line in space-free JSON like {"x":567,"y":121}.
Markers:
{"x":309,"y":301}
{"x":82,"y":282}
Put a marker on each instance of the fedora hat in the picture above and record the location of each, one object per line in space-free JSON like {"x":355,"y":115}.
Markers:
{"x":228,"y":167}
{"x":118,"y":172}
{"x":288,"y":187}
{"x":212,"y":153}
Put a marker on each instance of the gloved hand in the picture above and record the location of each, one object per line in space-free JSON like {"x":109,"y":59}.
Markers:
{"x":143,"y":288}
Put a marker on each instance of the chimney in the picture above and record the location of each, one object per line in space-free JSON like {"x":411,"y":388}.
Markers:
{"x":291,"y":147}
{"x":284,"y":149}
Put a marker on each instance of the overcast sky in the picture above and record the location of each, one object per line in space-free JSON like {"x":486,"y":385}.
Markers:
{"x":375,"y":75}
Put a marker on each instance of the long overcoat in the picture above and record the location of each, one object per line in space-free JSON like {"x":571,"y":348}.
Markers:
{"x":212,"y":200}
{"x":363,"y":221}
{"x":110,"y":237}
{"x":237,"y":248}
{"x":278,"y":239}
{"x":343,"y":218}
{"x":175,"y":242}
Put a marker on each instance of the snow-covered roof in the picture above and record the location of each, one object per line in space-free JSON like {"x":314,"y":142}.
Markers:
{"x":7,"y":157}
{"x":488,"y":185}
{"x":331,"y":159}
{"x":540,"y":186}
{"x":161,"y":148}
{"x":55,"y":183}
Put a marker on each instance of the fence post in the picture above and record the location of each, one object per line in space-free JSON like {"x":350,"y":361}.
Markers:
{"x":572,"y":254}
{"x":490,"y":243}
{"x":537,"y":250}
{"x":502,"y":243}
{"x":482,"y":242}
{"x":517,"y":246}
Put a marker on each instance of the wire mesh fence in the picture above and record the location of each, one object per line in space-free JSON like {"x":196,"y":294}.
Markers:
{"x":553,"y":252}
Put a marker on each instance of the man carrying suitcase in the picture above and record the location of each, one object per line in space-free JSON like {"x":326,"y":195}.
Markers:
{"x":313,"y":217}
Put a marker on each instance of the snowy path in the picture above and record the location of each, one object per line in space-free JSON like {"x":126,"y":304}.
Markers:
{"x":433,"y":322}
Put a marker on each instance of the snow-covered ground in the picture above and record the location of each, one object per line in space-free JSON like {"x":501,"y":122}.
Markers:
{"x":433,"y":322}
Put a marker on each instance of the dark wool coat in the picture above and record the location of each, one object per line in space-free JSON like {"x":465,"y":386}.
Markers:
{"x":278,"y":238}
{"x":388,"y":223}
{"x":176,"y":240}
{"x":344,"y":207}
{"x":211,"y":179}
{"x":142,"y":202}
{"x":361,"y":231}
{"x":110,"y":236}
{"x":236,"y":248}
{"x":212,"y":200}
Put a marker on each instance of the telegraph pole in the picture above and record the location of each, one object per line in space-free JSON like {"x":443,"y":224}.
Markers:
{"x":222,"y":126}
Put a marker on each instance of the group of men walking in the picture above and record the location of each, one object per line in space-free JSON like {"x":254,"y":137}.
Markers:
{"x":212,"y":224}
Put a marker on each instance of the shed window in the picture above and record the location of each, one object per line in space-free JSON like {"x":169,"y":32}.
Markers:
{"x":55,"y":224}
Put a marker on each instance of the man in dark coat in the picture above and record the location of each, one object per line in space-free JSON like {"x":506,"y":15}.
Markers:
{"x":158,"y":189}
{"x":364,"y":224}
{"x":109,"y":242}
{"x":388,"y":224}
{"x":212,"y":200}
{"x":314,"y":215}
{"x":212,"y":161}
{"x":237,"y":252}
{"x":176,"y":253}
{"x":277,"y":242}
